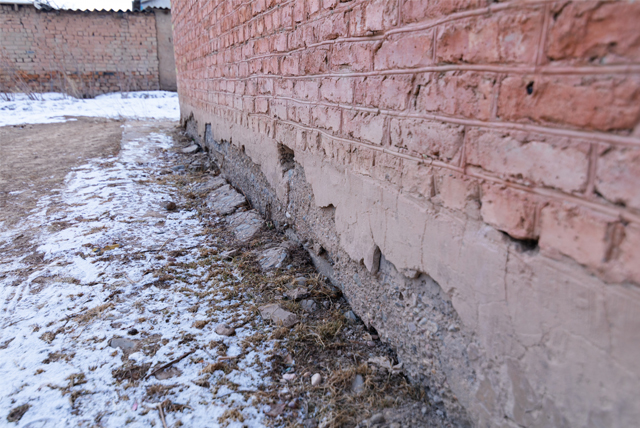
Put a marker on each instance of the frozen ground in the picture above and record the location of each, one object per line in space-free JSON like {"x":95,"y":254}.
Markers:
{"x":105,"y":243}
{"x":111,"y":298}
{"x":55,"y":107}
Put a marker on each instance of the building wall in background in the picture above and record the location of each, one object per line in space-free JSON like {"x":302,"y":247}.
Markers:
{"x":467,"y":171}
{"x":82,"y":53}
{"x":166,"y":57}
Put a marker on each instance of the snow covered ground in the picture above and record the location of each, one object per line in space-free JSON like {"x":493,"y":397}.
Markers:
{"x":55,"y":107}
{"x":124,"y":285}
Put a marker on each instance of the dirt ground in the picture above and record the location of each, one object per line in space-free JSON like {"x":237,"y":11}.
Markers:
{"x":112,"y":298}
{"x":34,"y":159}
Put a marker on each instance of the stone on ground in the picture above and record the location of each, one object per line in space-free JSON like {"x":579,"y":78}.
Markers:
{"x":273,"y":312}
{"x":297,"y":293}
{"x":225,"y":200}
{"x":225,"y":330}
{"x":246,"y":224}
{"x":272,"y":258}
{"x":190,"y":149}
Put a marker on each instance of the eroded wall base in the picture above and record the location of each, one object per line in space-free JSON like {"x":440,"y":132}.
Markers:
{"x":498,"y":334}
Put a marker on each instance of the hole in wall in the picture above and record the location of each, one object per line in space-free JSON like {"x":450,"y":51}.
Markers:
{"x":523,"y":245}
{"x":530,"y":88}
{"x":286,"y":156}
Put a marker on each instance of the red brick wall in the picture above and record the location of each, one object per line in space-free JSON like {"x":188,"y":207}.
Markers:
{"x":77,"y":52}
{"x":428,"y":126}
{"x":529,"y":106}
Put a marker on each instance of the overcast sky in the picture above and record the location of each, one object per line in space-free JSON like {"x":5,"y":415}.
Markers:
{"x":93,"y":4}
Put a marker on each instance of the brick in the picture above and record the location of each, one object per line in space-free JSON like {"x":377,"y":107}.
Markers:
{"x":299,"y":113}
{"x":425,"y":138}
{"x":418,"y":180}
{"x":314,"y":61}
{"x":262,"y":105}
{"x":387,"y":168}
{"x":326,"y":118}
{"x":509,"y":210}
{"x":594,"y":32}
{"x":336,"y":25}
{"x":418,"y":10}
{"x":291,"y":65}
{"x":457,"y":93}
{"x":572,"y":100}
{"x":306,"y":89}
{"x":380,"y":15}
{"x":367,"y":127}
{"x":278,"y":109}
{"x":351,"y":56}
{"x":298,"y":10}
{"x":338,"y":90}
{"x":454,"y":190}
{"x":529,"y":158}
{"x":405,"y":51}
{"x":576,"y":232}
{"x":388,"y":92}
{"x":505,"y":37}
{"x":618,"y":176}
{"x":626,"y":266}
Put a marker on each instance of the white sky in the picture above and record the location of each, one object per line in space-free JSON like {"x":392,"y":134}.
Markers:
{"x":93,"y":4}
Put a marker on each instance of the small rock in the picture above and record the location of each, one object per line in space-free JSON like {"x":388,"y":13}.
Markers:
{"x":276,"y":410}
{"x":246,"y":224}
{"x":17,"y":413}
{"x":200,"y":324}
{"x":309,"y":306}
{"x":191,"y":149}
{"x":316,"y":379}
{"x":127,"y":345}
{"x":424,"y":410}
{"x":168,"y":373}
{"x":293,"y":404}
{"x":279,"y":316}
{"x":440,"y":413}
{"x":301,"y":281}
{"x":169,"y":206}
{"x":132,"y":332}
{"x":211,"y":185}
{"x":289,"y":376}
{"x":376,"y":419}
{"x":178,"y":168}
{"x":306,"y":375}
{"x":357,"y":386}
{"x":310,"y":423}
{"x":395,"y":425}
{"x":198,"y":167}
{"x":298,"y":293}
{"x":225,"y":200}
{"x":351,"y":316}
{"x":272,"y":258}
{"x":225,"y":330}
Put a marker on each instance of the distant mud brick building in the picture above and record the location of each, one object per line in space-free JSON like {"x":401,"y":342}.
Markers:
{"x":85,"y":53}
{"x":468,"y":172}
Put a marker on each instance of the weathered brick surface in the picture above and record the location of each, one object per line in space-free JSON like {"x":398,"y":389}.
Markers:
{"x":454,"y":136}
{"x":82,"y":53}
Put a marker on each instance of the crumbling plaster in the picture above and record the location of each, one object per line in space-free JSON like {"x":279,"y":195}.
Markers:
{"x":531,"y":341}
